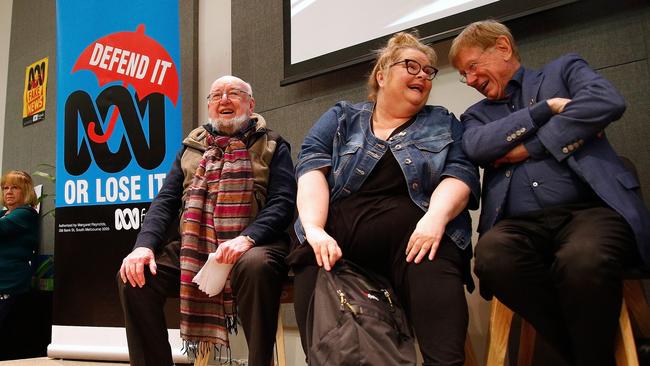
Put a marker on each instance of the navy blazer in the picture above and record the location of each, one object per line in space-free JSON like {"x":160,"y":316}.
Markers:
{"x":574,"y":137}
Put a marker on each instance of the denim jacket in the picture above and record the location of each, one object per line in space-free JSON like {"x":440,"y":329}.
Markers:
{"x":427,"y":151}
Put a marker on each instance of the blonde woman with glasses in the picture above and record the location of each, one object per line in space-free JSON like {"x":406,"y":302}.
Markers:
{"x":385,"y":184}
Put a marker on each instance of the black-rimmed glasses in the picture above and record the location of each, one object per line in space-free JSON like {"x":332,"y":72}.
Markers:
{"x":413,"y":67}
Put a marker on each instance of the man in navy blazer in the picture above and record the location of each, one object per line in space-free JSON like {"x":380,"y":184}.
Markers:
{"x":561,"y":217}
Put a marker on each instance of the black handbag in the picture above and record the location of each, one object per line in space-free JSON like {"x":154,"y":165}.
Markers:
{"x":357,"y":320}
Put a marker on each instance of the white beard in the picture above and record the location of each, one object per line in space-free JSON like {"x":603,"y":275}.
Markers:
{"x":231,"y":126}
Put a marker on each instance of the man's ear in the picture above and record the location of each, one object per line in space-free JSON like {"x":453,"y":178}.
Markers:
{"x":504,"y":47}
{"x":251,"y":104}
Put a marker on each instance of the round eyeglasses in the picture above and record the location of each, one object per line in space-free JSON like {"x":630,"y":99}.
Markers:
{"x":231,"y":94}
{"x":413,"y":67}
{"x":473,"y":66}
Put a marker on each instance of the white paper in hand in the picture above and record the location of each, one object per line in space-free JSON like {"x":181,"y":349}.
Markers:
{"x":212,"y":276}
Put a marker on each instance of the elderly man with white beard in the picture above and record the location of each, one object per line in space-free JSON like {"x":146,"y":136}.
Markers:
{"x":231,"y":192}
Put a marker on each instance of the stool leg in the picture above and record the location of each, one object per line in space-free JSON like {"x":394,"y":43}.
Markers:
{"x":526,"y":344}
{"x":203,"y":355}
{"x":470,"y":359}
{"x":637,"y":306}
{"x":625,"y":346}
{"x":279,"y":341}
{"x":500,"y":321}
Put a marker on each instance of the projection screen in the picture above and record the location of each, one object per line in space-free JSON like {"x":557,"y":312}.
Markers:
{"x":321,"y":36}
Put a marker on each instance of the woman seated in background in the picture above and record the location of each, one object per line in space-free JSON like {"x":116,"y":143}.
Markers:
{"x":19,"y":230}
{"x":385,"y":184}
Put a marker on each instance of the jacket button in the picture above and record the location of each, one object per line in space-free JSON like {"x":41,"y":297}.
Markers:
{"x":381,"y":146}
{"x":415,"y":186}
{"x":508,"y":173}
{"x":570,"y":148}
{"x":408,"y":161}
{"x":425,"y":204}
{"x":535,"y":184}
{"x":565,"y":150}
{"x":509,"y":138}
{"x":398,"y":146}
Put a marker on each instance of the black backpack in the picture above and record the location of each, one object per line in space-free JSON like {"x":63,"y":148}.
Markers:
{"x":357,"y":320}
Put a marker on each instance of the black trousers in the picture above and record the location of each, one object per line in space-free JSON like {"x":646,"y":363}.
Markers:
{"x":256,"y":279}
{"x":432,"y":293}
{"x":6,"y":306}
{"x":560,"y":269}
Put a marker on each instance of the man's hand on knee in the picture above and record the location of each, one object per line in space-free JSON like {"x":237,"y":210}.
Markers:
{"x":132,"y":269}
{"x":230,"y":251}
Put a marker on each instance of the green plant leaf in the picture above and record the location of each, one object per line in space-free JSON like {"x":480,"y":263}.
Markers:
{"x":45,"y":175}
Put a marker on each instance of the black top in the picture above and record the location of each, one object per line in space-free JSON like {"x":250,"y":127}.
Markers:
{"x":374,"y":222}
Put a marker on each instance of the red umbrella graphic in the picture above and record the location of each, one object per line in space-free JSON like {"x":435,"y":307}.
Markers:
{"x":135,"y":59}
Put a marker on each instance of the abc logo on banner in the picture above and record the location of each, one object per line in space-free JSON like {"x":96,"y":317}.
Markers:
{"x":128,"y":218}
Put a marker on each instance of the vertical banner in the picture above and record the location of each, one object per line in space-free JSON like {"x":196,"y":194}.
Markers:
{"x":118,"y":131}
{"x":34,"y":96}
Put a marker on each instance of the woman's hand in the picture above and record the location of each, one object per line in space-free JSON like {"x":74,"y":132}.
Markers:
{"x":426,"y":237}
{"x":447,"y":201}
{"x":313,"y":204}
{"x":325,"y":248}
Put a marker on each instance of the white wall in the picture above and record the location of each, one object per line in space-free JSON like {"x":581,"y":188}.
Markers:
{"x":447,"y":91}
{"x":215,"y":60}
{"x":5,"y":37}
{"x":215,"y":55}
{"x":455,"y":96}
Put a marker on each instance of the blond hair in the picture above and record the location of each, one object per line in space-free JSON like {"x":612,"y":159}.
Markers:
{"x":22,"y":180}
{"x":388,"y":55}
{"x":483,"y":34}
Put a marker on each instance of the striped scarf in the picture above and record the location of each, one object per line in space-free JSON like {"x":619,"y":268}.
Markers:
{"x":217,"y":209}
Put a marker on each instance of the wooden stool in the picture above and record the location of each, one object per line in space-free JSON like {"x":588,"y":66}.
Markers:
{"x":470,"y":359}
{"x":634,"y":302}
{"x":286,"y":297}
